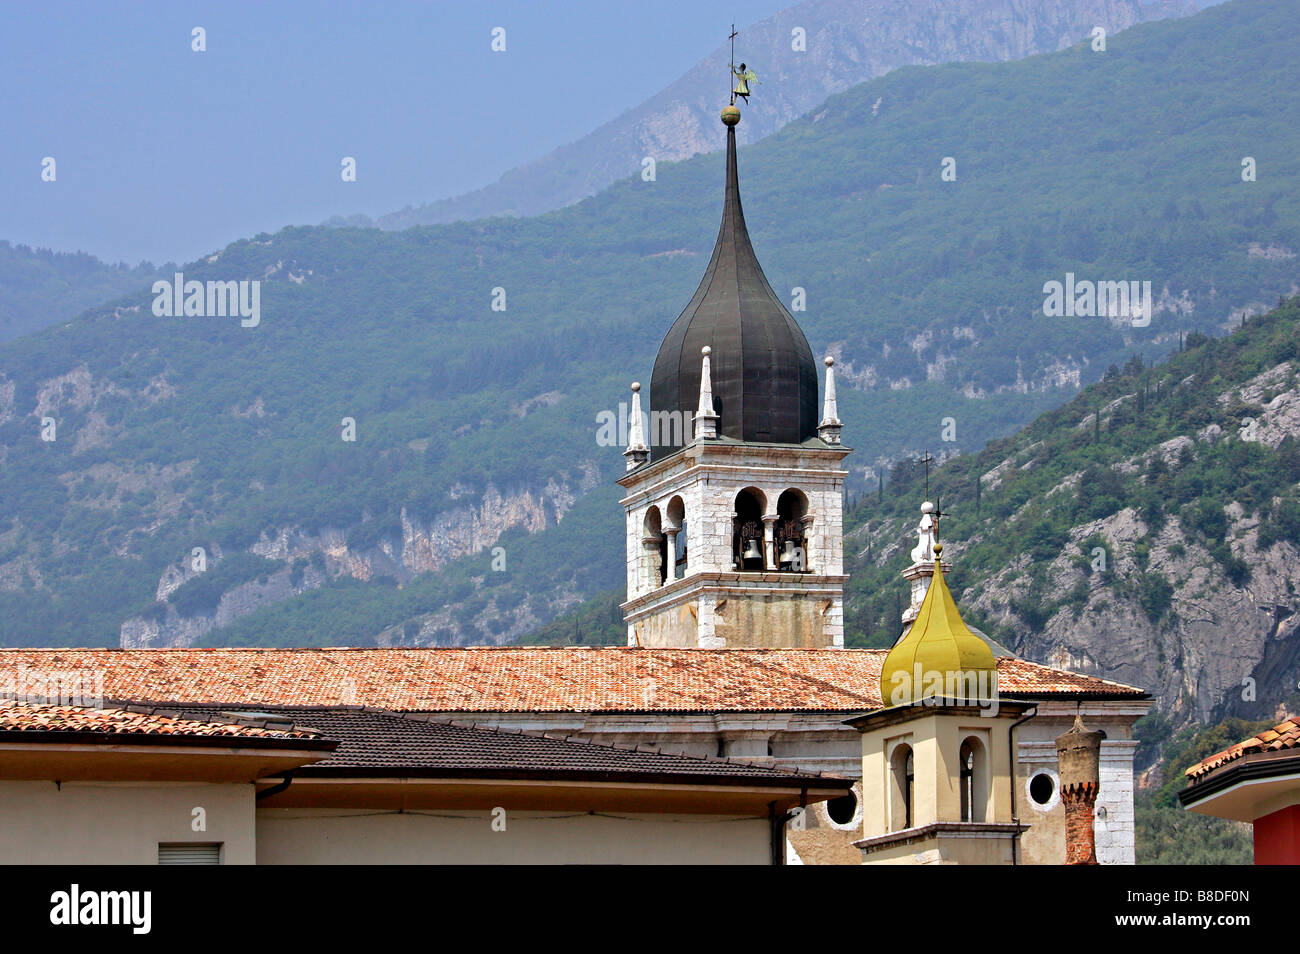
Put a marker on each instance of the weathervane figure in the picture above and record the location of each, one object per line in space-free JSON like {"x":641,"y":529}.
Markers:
{"x":744,"y":76}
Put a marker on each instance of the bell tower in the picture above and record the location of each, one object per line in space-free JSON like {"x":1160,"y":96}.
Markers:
{"x":734,"y":490}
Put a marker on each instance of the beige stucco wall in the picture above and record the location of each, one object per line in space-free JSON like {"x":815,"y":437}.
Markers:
{"x":317,"y":836}
{"x":120,"y":822}
{"x":947,"y":850}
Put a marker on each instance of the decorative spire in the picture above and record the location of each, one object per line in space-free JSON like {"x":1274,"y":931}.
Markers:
{"x":829,"y":428}
{"x":925,"y":535}
{"x":637,"y":452}
{"x":919,"y":573}
{"x":764,"y":373}
{"x":939,"y":657}
{"x":706,"y":420}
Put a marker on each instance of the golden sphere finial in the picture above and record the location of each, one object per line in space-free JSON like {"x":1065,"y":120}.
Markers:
{"x":730,"y":116}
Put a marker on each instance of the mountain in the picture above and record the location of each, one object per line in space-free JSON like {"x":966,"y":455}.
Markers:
{"x":204,"y":485}
{"x":1148,"y":531}
{"x":844,"y":42}
{"x":39,"y":287}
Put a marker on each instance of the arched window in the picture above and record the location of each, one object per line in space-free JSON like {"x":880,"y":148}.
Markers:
{"x":791,"y":541}
{"x":653,"y":549}
{"x":902,"y":778}
{"x":974,"y":780}
{"x":675,"y":531}
{"x":747,"y":531}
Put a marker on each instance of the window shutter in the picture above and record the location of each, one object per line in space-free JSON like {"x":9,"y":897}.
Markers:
{"x":189,"y":853}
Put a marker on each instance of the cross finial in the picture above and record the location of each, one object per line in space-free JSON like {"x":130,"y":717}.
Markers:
{"x":939,"y":513}
{"x":731,"y":65}
{"x":926,"y":461}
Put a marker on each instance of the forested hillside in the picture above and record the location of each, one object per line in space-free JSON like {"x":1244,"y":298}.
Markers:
{"x":204,"y":486}
{"x":39,"y":288}
{"x":1148,"y":531}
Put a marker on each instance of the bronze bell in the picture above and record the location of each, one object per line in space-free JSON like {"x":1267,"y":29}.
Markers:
{"x":752,"y":550}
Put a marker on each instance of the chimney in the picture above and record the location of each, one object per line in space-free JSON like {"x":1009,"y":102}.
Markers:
{"x":1078,"y":756}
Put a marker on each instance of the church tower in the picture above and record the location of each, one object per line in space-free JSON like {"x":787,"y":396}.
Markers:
{"x":734,"y":489}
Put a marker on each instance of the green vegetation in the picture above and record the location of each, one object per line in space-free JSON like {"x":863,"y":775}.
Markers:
{"x":39,"y":288}
{"x":1167,"y":834}
{"x":175,"y":431}
{"x":1063,"y":474}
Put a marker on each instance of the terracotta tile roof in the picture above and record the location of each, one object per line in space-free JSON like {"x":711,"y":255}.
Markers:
{"x":501,"y":679}
{"x":374,"y":742}
{"x":41,"y":718}
{"x":1284,"y":735}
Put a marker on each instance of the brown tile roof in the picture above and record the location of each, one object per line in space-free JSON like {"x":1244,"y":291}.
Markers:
{"x":498,"y":679}
{"x":134,"y":720}
{"x":374,"y":743}
{"x":1284,"y":735}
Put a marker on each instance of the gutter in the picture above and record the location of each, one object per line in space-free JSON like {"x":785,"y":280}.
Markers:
{"x":777,"y":826}
{"x":1011,"y":782}
{"x":275,"y":789}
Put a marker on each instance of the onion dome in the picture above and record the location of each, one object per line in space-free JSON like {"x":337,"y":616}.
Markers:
{"x":939,"y":654}
{"x":764,"y":375}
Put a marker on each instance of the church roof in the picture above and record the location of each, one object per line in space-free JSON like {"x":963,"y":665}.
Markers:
{"x":763,"y":373}
{"x":522,"y":679}
{"x":938,"y":642}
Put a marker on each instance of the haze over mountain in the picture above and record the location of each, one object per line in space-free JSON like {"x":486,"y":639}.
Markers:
{"x":167,"y":152}
{"x":803,"y":54}
{"x":476,"y":428}
{"x":185,"y":201}
{"x":39,"y":287}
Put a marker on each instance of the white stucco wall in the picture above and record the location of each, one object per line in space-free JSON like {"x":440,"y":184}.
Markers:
{"x":121,"y":823}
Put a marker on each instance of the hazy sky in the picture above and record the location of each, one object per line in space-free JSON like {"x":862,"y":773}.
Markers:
{"x":164,"y":153}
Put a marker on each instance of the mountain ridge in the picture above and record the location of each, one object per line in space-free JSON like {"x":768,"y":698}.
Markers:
{"x":184,"y":433}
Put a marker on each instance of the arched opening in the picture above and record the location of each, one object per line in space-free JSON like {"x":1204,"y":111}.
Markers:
{"x":652,"y":549}
{"x":902,"y":777}
{"x":675,"y":546}
{"x":974,"y":780}
{"x":747,"y":530}
{"x":791,"y":532}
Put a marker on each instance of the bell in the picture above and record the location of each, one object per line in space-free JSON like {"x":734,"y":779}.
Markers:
{"x":787,"y":552}
{"x":752,"y":550}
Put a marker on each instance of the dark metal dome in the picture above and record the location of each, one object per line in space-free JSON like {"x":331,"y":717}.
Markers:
{"x":763,"y":373}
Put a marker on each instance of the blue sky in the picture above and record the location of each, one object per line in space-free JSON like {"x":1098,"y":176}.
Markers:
{"x":163,"y":153}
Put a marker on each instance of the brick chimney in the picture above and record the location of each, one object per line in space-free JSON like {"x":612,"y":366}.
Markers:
{"x":1078,"y":756}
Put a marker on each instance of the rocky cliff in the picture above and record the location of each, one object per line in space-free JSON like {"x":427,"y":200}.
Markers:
{"x":1148,"y":533}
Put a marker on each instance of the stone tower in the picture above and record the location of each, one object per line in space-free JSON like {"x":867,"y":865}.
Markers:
{"x":734,"y":491}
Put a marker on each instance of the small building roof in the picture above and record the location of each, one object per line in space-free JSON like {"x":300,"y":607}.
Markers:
{"x":375,"y":742}
{"x":1284,"y":735}
{"x":32,"y":720}
{"x":1248,"y":779}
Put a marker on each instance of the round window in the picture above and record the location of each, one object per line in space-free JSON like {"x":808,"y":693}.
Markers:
{"x":1042,"y":789}
{"x":843,"y":810}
